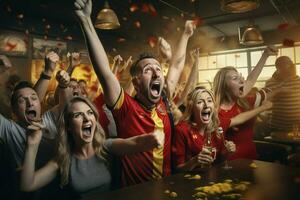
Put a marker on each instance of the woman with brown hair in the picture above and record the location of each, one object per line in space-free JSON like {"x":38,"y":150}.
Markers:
{"x":232,"y":101}
{"x":197,"y":142}
{"x":82,"y":157}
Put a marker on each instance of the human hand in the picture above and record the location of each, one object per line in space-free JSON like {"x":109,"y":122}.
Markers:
{"x":50,"y":62}
{"x":5,"y":62}
{"x":204,"y":157}
{"x":164,"y":49}
{"x":271,"y":51}
{"x":34,"y":133}
{"x":189,"y":27}
{"x":83,"y":8}
{"x":230,"y":146}
{"x":266,"y":105}
{"x":118,"y":60}
{"x":63,"y":78}
{"x":148,"y":142}
{"x":74,"y":59}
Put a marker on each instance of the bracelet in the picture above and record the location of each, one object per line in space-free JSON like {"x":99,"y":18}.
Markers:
{"x":45,"y":76}
{"x":62,"y":86}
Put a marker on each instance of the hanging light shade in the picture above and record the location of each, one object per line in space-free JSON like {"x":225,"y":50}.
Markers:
{"x":251,"y":36}
{"x":239,"y":6}
{"x":107,"y":18}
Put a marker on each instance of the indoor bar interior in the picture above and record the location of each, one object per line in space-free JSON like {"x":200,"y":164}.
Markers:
{"x":150,"y":99}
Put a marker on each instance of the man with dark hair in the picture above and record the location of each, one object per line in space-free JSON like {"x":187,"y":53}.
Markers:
{"x":147,"y":111}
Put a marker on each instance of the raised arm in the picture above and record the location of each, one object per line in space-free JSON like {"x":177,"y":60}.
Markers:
{"x":192,"y":78}
{"x":42,"y":84}
{"x":245,"y":116}
{"x":32,"y":180}
{"x":110,"y":84}
{"x":252,"y":77}
{"x":74,"y":61}
{"x":178,"y":58}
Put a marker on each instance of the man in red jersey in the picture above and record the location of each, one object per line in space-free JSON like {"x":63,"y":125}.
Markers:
{"x":146,"y":112}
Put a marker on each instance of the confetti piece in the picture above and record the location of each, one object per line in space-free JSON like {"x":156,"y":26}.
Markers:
{"x":187,"y":176}
{"x":69,"y":37}
{"x":152,"y":41}
{"x":48,"y":26}
{"x":283,"y":27}
{"x":133,"y":8}
{"x":253,"y":165}
{"x":288,"y":43}
{"x":152,"y":10}
{"x":198,"y":21}
{"x":173,"y":194}
{"x":195,"y":177}
{"x":121,"y":40}
{"x":167,"y":192}
{"x":137,"y":24}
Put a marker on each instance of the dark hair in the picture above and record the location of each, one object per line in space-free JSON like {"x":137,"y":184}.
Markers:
{"x":19,"y":86}
{"x":134,"y":69}
{"x":73,"y":79}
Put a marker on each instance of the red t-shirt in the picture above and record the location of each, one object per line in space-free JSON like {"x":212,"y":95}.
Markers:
{"x":187,"y":143}
{"x":241,"y":135}
{"x":133,"y":119}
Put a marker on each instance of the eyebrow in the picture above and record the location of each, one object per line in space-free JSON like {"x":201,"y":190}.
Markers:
{"x":33,"y":94}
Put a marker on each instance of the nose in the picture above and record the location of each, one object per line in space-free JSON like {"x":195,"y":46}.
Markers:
{"x":155,"y":73}
{"x":85,"y":117}
{"x":29,"y":102}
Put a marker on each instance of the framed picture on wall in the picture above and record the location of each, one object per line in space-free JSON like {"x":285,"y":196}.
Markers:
{"x":13,"y":43}
{"x":41,"y":47}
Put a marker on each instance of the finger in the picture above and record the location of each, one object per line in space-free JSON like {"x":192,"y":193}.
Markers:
{"x":77,"y":6}
{"x":81,"y":3}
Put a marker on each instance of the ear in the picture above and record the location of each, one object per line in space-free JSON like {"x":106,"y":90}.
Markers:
{"x":135,"y":83}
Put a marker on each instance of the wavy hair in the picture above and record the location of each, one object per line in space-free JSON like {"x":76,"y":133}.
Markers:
{"x":65,"y":142}
{"x":192,"y":100}
{"x":222,"y":91}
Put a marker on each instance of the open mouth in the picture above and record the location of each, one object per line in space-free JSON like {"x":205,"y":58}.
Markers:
{"x":87,"y":130}
{"x":155,"y":89}
{"x":75,"y":94}
{"x":205,"y":114}
{"x":30,"y":115}
{"x":241,"y":90}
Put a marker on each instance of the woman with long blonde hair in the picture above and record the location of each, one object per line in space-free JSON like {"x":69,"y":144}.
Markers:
{"x":82,"y":157}
{"x":198,"y":126}
{"x":236,"y":107}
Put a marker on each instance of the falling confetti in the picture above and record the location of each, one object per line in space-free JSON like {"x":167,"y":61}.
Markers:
{"x":133,"y":8}
{"x":137,"y":24}
{"x":198,"y":21}
{"x":45,"y":37}
{"x":124,"y":18}
{"x":152,"y":41}
{"x":121,"y":40}
{"x":27,"y":32}
{"x":253,"y":165}
{"x":288,"y":42}
{"x":48,"y":26}
{"x":69,"y":37}
{"x":283,"y":27}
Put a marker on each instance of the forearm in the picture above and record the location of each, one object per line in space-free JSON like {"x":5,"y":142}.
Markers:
{"x":189,"y":84}
{"x":177,"y":64}
{"x":109,"y":82}
{"x":252,"y":77}
{"x":245,"y":116}
{"x":123,"y":146}
{"x":42,"y":84}
{"x":28,"y":170}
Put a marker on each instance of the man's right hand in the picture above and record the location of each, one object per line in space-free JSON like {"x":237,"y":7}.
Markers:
{"x":50,"y":62}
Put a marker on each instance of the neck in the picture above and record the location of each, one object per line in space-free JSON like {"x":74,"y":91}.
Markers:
{"x":145,"y":102}
{"x":84,"y":151}
{"x":200,"y":127}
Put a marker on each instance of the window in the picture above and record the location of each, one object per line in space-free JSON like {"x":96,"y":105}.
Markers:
{"x":244,"y":60}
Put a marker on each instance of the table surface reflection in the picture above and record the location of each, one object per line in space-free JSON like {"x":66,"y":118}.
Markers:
{"x":268,"y":181}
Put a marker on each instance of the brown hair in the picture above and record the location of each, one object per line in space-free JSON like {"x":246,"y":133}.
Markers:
{"x":65,"y":141}
{"x":221,"y":90}
{"x":191,"y":100}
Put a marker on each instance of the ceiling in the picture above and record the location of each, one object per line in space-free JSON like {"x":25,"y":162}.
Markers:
{"x":156,"y":18}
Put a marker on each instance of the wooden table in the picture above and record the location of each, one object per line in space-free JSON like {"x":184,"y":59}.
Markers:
{"x":268,"y":181}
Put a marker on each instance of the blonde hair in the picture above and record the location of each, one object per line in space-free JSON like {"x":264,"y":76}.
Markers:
{"x":191,"y":100}
{"x":222,"y":91}
{"x":65,"y":142}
